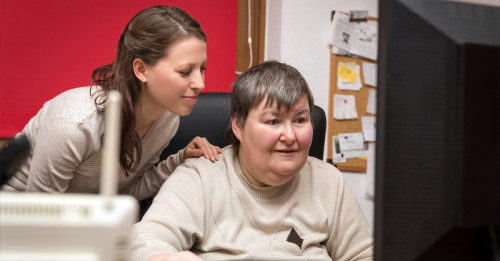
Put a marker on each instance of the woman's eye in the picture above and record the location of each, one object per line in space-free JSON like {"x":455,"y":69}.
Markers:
{"x":203,"y":69}
{"x":272,"y":122}
{"x":185,"y":73}
{"x":300,"y":120}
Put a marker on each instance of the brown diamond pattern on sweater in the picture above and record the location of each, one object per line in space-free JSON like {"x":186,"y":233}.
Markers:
{"x":293,"y":237}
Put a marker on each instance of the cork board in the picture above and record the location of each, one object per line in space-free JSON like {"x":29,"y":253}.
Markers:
{"x":347,"y":126}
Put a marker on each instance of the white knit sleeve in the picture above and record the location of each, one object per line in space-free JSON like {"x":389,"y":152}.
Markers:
{"x":152,"y":179}
{"x":174,"y":222}
{"x":61,"y":146}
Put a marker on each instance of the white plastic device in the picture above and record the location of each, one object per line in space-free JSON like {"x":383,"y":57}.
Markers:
{"x":72,"y":227}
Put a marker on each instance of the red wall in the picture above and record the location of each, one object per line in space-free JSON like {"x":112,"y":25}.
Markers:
{"x":47,"y":47}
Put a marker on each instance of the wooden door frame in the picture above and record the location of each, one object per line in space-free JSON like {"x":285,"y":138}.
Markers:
{"x":258,"y":34}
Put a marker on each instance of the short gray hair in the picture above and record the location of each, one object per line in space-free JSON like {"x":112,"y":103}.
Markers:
{"x":275,"y":81}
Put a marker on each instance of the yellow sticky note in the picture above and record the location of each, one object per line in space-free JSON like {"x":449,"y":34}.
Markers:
{"x":347,"y":74}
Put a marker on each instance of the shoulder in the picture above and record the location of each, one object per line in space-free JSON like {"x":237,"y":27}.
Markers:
{"x":71,"y":115}
{"x":78,"y":95}
{"x":74,"y":104}
{"x":197,"y":173}
{"x":209,"y":172}
{"x":202,"y":164}
{"x":322,"y":176}
{"x":321,"y":168}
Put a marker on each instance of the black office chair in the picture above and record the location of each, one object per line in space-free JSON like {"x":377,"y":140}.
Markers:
{"x":12,"y":156}
{"x":211,"y":116}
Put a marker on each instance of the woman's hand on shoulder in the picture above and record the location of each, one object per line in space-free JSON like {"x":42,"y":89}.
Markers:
{"x":201,"y":147}
{"x":180,"y":256}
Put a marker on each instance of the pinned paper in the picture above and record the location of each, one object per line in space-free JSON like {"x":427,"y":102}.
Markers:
{"x":369,"y":128}
{"x":351,"y":141}
{"x":358,"y":16}
{"x":370,"y":73}
{"x":350,"y":65}
{"x":370,"y":171}
{"x":359,"y":39}
{"x":371,"y":105}
{"x":344,"y":107}
{"x":343,"y":84}
{"x":338,"y":156}
{"x":347,"y":74}
{"x":349,"y":146}
{"x":353,"y":154}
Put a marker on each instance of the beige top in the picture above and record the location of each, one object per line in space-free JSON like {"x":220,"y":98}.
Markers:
{"x":211,"y":209}
{"x":66,"y":138}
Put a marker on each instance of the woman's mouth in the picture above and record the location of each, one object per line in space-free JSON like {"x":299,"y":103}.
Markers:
{"x":192,"y":99}
{"x":286,"y":151}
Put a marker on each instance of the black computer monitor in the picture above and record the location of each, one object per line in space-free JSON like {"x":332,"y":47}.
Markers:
{"x":437,"y":173}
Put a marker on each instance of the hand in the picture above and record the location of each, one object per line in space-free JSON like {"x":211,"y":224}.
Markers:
{"x":180,"y":256}
{"x":201,"y":147}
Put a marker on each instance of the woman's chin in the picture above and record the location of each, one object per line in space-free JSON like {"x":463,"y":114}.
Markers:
{"x":186,"y":110}
{"x":283,"y":177}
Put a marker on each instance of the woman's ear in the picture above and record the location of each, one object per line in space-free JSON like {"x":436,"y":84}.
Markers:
{"x":140,"y":70}
{"x":236,"y":127}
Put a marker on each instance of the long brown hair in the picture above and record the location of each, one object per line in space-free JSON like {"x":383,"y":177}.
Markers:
{"x":147,"y":36}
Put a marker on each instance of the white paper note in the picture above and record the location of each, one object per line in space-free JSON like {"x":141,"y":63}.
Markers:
{"x":338,"y":156}
{"x":349,"y":86}
{"x":370,"y":73}
{"x":344,"y":107}
{"x":370,"y":171}
{"x":357,"y":38}
{"x":351,"y":141}
{"x":371,"y":105}
{"x":369,"y":128}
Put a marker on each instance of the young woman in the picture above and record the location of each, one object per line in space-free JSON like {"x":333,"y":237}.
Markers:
{"x":159,"y":70}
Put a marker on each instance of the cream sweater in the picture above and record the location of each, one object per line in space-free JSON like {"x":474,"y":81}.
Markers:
{"x":212,"y":210}
{"x":66,"y":138}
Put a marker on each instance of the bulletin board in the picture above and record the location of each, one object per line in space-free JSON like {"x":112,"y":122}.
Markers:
{"x":347,"y":126}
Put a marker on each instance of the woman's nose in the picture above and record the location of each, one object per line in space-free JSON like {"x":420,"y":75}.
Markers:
{"x":198,"y":81}
{"x":288,"y":133}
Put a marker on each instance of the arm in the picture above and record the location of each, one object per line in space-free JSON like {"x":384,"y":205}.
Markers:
{"x":61,"y":145}
{"x":149,"y":182}
{"x":152,"y":179}
{"x":350,"y":235}
{"x":175,"y":220}
{"x":180,"y":256}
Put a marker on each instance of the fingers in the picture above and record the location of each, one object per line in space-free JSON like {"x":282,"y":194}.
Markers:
{"x":180,"y":256}
{"x":200,"y":146}
{"x":184,"y":256}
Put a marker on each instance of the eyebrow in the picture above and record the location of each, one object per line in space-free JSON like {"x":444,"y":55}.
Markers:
{"x":303,"y":111}
{"x":277,"y":113}
{"x":189,"y":64}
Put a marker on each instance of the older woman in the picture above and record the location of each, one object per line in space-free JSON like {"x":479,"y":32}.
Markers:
{"x":265,"y":199}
